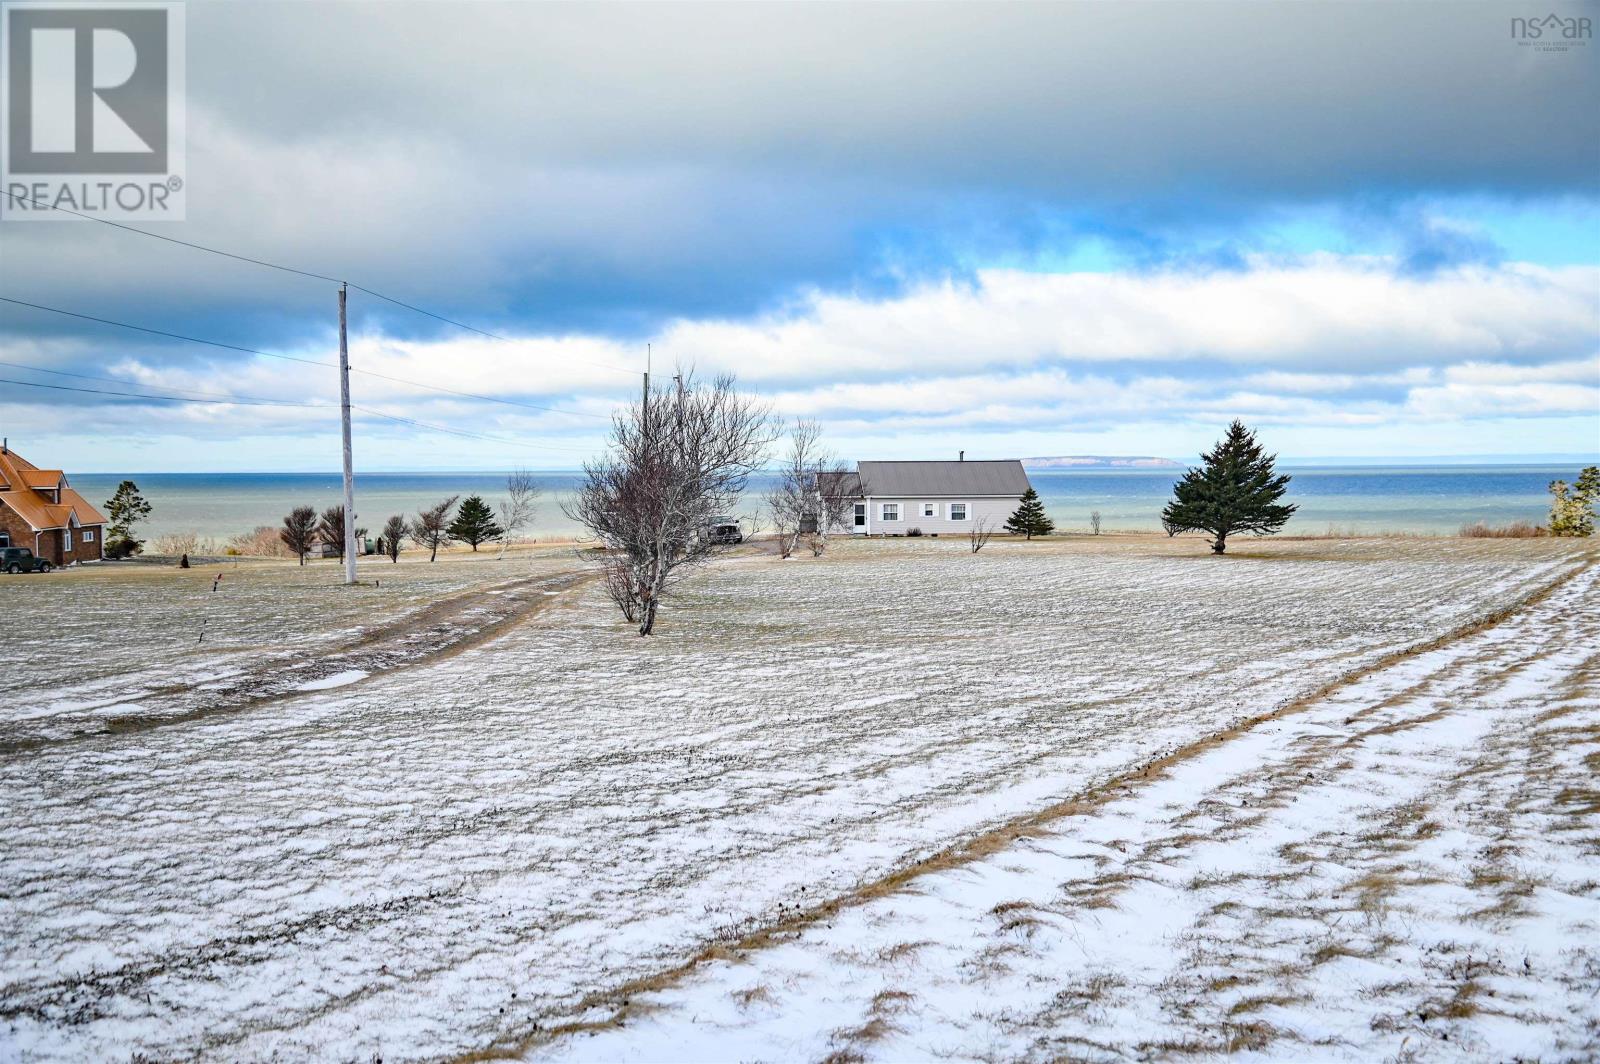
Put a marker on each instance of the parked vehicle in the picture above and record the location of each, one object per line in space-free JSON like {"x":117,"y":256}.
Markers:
{"x":724,"y":530}
{"x":22,"y":560}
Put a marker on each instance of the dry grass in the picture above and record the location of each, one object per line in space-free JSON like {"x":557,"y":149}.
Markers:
{"x":752,"y":995}
{"x":1515,"y":530}
{"x":1264,"y":1001}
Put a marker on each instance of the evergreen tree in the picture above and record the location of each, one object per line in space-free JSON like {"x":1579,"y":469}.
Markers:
{"x":474,"y":523}
{"x":1234,"y":490}
{"x":1572,"y":512}
{"x":126,"y":508}
{"x":1030,"y":519}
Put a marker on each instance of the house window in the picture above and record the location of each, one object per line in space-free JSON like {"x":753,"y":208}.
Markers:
{"x":66,"y":539}
{"x":5,"y":539}
{"x":891,"y":511}
{"x":958,"y":511}
{"x":930,"y":509}
{"x":88,"y":535}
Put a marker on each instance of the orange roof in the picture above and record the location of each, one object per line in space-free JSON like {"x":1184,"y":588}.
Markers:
{"x":39,"y":512}
{"x":18,"y":478}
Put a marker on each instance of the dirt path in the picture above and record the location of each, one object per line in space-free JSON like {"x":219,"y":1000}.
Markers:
{"x":1404,"y":865}
{"x":431,"y":634}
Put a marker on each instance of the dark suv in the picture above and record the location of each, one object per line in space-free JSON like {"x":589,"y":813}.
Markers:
{"x":22,"y":560}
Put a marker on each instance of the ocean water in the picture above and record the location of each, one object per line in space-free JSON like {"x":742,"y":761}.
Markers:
{"x":1431,"y":499}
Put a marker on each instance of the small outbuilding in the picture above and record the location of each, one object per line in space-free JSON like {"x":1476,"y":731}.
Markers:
{"x":895,"y":498}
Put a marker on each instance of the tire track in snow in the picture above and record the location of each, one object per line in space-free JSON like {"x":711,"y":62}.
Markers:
{"x":441,"y":630}
{"x":608,"y":1010}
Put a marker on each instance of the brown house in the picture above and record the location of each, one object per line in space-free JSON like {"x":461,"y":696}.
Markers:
{"x":40,"y":511}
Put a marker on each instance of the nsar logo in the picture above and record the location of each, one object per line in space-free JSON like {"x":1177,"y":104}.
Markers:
{"x":1552,"y":33}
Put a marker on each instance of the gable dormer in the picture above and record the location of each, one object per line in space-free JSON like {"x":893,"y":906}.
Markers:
{"x":47,"y":483}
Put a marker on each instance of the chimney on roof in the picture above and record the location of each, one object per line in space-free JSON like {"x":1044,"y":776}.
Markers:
{"x":963,"y":457}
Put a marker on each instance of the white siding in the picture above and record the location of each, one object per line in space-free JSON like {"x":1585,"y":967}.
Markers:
{"x":994,"y":510}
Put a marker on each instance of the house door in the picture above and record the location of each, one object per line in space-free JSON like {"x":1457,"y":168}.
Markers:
{"x":861,"y":515}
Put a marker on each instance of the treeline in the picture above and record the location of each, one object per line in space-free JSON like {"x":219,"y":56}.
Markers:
{"x":474,"y":522}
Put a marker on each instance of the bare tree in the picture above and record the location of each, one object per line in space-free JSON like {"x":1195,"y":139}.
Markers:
{"x":1094,"y":522}
{"x":978,"y":535}
{"x":394,"y":530}
{"x":330,"y":530}
{"x":517,"y":508}
{"x":299,"y":531}
{"x":812,"y":492}
{"x":616,"y":574}
{"x":431,"y":529}
{"x":677,"y":458}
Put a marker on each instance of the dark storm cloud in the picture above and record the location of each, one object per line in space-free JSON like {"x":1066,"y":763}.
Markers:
{"x":602,"y":168}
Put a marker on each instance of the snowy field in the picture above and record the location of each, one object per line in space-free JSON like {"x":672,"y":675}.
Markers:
{"x":121,"y":644}
{"x":1407,"y":869}
{"x":471,"y":848}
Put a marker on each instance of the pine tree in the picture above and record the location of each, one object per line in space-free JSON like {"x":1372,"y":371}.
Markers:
{"x":1234,"y":490}
{"x":474,"y":523}
{"x":126,"y":508}
{"x":1030,"y":519}
{"x":1572,"y":514}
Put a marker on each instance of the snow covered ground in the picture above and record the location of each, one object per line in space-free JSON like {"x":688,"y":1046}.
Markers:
{"x":1406,"y":869}
{"x":122,"y":646}
{"x":461,"y":855}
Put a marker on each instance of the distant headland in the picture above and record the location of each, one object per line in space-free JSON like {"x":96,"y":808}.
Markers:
{"x":1100,"y":461}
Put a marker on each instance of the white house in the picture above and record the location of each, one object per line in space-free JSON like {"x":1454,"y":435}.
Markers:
{"x":893,"y":498}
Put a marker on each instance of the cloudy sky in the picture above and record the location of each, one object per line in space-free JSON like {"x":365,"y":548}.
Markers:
{"x":1369,"y":229}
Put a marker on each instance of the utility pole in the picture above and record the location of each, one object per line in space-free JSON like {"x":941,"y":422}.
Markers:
{"x":645,"y":409}
{"x":349,"y":469}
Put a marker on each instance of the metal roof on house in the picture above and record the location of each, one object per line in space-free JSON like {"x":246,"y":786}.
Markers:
{"x":18,"y":480}
{"x":936,"y":479}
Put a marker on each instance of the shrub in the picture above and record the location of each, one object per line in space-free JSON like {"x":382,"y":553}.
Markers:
{"x":1515,"y":530}
{"x":125,"y":547}
{"x":913,"y":532}
{"x":264,"y":542}
{"x":171,"y":543}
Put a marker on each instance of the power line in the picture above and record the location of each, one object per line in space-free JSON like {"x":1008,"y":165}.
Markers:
{"x":161,"y":332}
{"x":240,"y":401}
{"x":144,"y":384}
{"x":294,"y":270}
{"x":164,"y":398}
{"x":448,"y":321}
{"x":171,"y":239}
{"x":307,"y":361}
